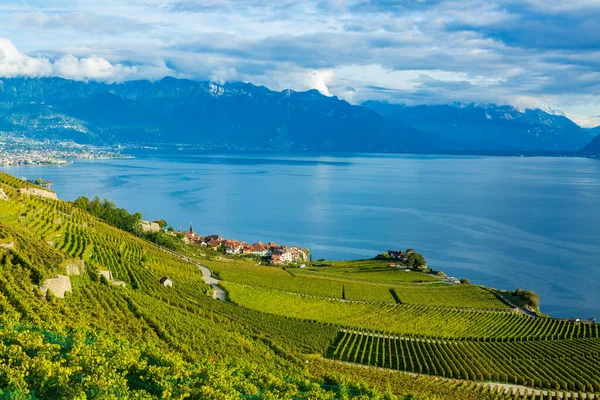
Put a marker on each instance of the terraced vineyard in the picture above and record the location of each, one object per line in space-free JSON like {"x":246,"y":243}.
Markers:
{"x":559,"y":364}
{"x":422,"y":321}
{"x":423,"y":386}
{"x":41,"y":236}
{"x":14,"y":182}
{"x":399,"y":289}
{"x":144,"y":340}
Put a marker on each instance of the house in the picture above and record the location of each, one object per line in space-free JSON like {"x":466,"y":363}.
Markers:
{"x":232,"y":246}
{"x":191,"y":237}
{"x":281,"y":256}
{"x":166,"y":282}
{"x":208,"y":238}
{"x":247,"y":250}
{"x":298,"y":254}
{"x":260,"y":249}
{"x":398,"y":255}
{"x":272,"y":246}
{"x":214,"y":244}
{"x":286,"y":256}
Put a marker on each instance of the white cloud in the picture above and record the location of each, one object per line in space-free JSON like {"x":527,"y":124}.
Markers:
{"x":13,"y":63}
{"x":222,"y":75}
{"x":319,"y":79}
{"x":94,"y":68}
{"x":528,"y":53}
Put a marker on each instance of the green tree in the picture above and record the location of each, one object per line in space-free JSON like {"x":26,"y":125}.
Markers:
{"x":82,"y":202}
{"x":416,"y":261}
{"x":161,"y":222}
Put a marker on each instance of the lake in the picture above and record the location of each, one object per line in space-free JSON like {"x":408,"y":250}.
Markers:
{"x":504,"y":222}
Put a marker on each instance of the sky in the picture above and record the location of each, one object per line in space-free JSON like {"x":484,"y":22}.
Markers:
{"x":526,"y":53}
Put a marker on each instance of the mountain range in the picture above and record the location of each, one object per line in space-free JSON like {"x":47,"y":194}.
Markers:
{"x":593,"y":148}
{"x":242,"y":115}
{"x":490,"y":127}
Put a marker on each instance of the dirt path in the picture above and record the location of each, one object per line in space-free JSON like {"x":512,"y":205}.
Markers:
{"x":217,"y":291}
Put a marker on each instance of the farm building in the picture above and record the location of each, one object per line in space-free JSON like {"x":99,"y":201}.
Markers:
{"x":166,"y":282}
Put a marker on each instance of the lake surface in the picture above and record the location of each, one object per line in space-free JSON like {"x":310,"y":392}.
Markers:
{"x":505,"y":222}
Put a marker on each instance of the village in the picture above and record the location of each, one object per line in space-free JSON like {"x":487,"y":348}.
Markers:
{"x":276,"y":254}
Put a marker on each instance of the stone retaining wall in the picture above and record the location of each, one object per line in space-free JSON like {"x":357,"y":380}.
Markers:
{"x":38,"y":192}
{"x":58,"y":286}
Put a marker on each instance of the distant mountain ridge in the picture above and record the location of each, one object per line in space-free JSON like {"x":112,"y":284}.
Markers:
{"x":484,"y":127}
{"x":244,"y":116}
{"x":593,"y":148}
{"x":183,"y":111}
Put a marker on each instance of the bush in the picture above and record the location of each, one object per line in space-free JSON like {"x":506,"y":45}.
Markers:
{"x":416,"y":261}
{"x":529,"y":297}
{"x":382,"y":256}
{"x":161,"y":222}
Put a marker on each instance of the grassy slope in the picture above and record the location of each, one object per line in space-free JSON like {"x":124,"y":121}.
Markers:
{"x":330,"y":282}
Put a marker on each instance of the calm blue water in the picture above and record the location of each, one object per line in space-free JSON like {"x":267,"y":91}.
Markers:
{"x":505,"y":222}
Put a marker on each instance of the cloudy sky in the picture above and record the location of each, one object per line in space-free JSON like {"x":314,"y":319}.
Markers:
{"x":528,"y":53}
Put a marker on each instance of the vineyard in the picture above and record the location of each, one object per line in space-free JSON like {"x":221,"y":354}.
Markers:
{"x":144,"y":340}
{"x":400,"y":289}
{"x":371,"y":271}
{"x":43,"y":236}
{"x":572,"y":364}
{"x":423,"y":386}
{"x":424,"y":321}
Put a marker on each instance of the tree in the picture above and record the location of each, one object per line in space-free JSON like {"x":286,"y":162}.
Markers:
{"x":383,"y":256}
{"x":465,"y":281}
{"x":161,"y":222}
{"x":416,"y":261}
{"x":82,"y":202}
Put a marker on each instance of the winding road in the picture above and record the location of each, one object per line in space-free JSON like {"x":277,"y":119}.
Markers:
{"x":217,"y":291}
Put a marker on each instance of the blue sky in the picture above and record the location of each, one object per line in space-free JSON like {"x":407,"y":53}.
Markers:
{"x":527,"y":53}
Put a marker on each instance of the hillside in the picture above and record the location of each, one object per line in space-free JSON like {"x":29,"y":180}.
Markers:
{"x":593,"y":148}
{"x":283,"y":333}
{"x":490,"y":127}
{"x":234,"y":115}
